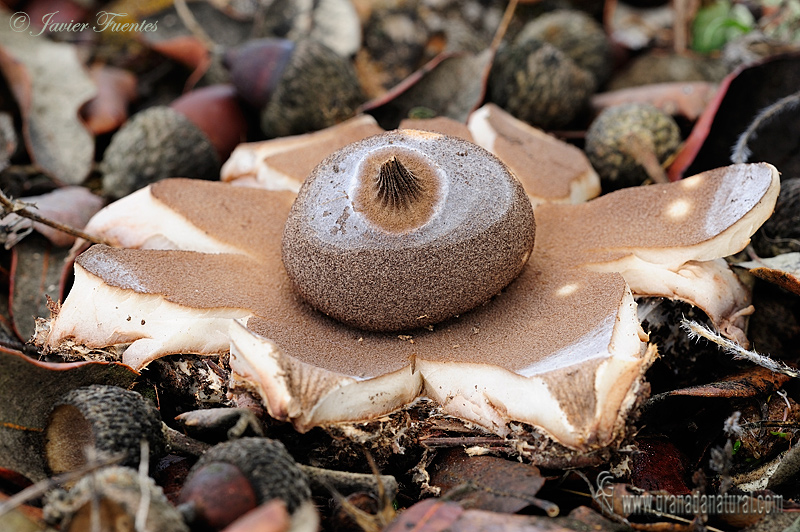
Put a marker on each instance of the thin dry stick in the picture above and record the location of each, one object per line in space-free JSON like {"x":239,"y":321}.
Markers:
{"x":496,"y":41}
{"x":21,"y":208}
{"x":697,"y":330}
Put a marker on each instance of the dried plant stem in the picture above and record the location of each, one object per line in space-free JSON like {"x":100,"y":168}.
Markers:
{"x":21,"y":209}
{"x":741,"y":153}
{"x":697,"y":330}
{"x":496,"y":41}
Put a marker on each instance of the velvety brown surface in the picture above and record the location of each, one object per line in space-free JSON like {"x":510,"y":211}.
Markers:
{"x":674,"y":215}
{"x":379,"y":268}
{"x":545,"y":166}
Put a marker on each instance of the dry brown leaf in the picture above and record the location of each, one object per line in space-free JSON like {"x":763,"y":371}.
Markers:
{"x":50,"y":85}
{"x":28,"y":389}
{"x":783,"y":270}
{"x":108,"y":110}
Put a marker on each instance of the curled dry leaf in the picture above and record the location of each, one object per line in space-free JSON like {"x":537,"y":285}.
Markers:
{"x":741,"y":96}
{"x":50,"y":86}
{"x":783,"y":270}
{"x":36,"y":273}
{"x":489,"y":483}
{"x":686,"y":99}
{"x":28,"y":389}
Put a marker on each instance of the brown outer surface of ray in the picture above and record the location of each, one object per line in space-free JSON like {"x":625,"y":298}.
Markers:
{"x":516,"y":329}
{"x":535,"y":168}
{"x":670,"y":216}
{"x":300,"y":161}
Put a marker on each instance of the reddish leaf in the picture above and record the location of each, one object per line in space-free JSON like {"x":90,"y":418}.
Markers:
{"x":430,"y":515}
{"x":783,"y":270}
{"x":687,"y":99}
{"x":488,"y":482}
{"x":53,"y":12}
{"x":36,"y":268}
{"x":658,"y":466}
{"x":28,"y":389}
{"x":108,"y":110}
{"x":741,"y":96}
{"x":753,"y":382}
{"x":269,"y":517}
{"x":50,"y":86}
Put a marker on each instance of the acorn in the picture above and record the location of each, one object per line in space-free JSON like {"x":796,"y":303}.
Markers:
{"x":629,"y":143}
{"x":190,"y":138}
{"x":538,"y":83}
{"x":576,"y":34}
{"x":234,"y":477}
{"x":114,"y":496}
{"x":387,"y":232}
{"x":299,"y":86}
{"x":111,"y":420}
{"x":781,"y":233}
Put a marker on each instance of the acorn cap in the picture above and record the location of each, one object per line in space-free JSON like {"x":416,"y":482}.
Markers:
{"x":536,"y":82}
{"x":272,"y":472}
{"x":628,"y":143}
{"x":108,"y":418}
{"x":405,"y":229}
{"x":117,"y":492}
{"x":318,"y":89}
{"x":156,"y":143}
{"x":576,"y":34}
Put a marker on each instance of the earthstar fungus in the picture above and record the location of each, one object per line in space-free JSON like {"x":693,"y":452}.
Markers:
{"x":559,"y":350}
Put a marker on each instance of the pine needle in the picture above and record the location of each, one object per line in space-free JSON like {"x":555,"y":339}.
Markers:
{"x":697,"y":330}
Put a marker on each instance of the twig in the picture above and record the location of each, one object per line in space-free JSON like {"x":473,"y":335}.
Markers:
{"x":697,"y":330}
{"x":20,"y":208}
{"x":741,"y":153}
{"x":496,"y":41}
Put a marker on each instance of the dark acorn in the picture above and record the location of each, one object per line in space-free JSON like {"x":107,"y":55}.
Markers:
{"x":387,"y":232}
{"x":576,"y":34}
{"x":111,"y":420}
{"x":233,"y":477}
{"x":299,"y":86}
{"x":538,"y":83}
{"x":629,"y":143}
{"x":190,"y":138}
